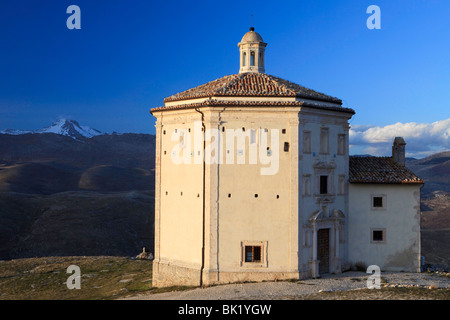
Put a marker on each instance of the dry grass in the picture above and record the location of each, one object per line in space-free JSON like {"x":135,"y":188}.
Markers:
{"x":101,"y":278}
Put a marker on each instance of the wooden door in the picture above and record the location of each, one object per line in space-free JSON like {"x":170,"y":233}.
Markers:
{"x":323,"y":250}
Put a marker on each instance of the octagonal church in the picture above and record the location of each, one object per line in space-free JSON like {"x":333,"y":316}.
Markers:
{"x":254,"y":182}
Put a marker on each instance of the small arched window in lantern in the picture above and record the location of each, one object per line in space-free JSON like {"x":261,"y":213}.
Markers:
{"x":252,"y":58}
{"x":244,"y":57}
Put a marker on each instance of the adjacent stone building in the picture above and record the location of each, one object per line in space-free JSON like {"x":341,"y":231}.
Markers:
{"x":252,"y":183}
{"x":384,"y":219}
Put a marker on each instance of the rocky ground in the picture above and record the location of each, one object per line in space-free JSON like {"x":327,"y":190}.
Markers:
{"x":347,"y":286}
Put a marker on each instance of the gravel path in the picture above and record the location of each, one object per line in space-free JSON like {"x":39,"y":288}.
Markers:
{"x":289,"y":289}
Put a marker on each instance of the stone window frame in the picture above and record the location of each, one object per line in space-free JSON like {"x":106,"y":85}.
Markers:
{"x":324,"y":142}
{"x":306,"y":148}
{"x":329,"y":173}
{"x":341,"y":188}
{"x":341,"y":144}
{"x":384,"y":200}
{"x":260,"y":264}
{"x":306,"y":185}
{"x":324,"y":169}
{"x":383,"y":230}
{"x":307,"y":237}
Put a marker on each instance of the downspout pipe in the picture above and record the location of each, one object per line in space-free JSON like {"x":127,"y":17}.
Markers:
{"x":203,"y":218}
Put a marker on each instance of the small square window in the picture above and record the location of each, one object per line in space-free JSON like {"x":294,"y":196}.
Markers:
{"x":378,"y":235}
{"x":252,"y":253}
{"x":378,"y":202}
{"x":283,"y":131}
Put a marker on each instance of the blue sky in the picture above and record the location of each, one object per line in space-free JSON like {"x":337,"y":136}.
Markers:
{"x":130,"y":55}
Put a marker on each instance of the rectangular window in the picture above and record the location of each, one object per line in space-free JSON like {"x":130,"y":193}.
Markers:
{"x":378,"y":202}
{"x":306,"y":141}
{"x":323,"y":184}
{"x":341,"y":144}
{"x":252,"y":253}
{"x":378,"y":236}
{"x":341,"y":184}
{"x":324,"y":137}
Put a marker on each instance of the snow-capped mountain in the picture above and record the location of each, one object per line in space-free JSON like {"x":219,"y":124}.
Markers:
{"x":65,"y":127}
{"x":70,"y":128}
{"x":15,"y":132}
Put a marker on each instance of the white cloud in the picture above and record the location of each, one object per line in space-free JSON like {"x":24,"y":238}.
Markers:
{"x":422,"y":139}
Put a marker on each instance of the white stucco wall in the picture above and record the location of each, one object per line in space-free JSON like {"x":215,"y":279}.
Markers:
{"x":311,"y":165}
{"x":277,"y":218}
{"x":271,"y":216}
{"x":400,"y":220}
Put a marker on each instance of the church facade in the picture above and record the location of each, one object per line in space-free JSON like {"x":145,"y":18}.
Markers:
{"x":254,"y":182}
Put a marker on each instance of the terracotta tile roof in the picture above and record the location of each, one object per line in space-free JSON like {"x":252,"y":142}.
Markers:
{"x":251,"y":84}
{"x":379,"y":170}
{"x":235,"y":103}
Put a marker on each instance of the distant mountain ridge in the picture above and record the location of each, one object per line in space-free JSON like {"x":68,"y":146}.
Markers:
{"x":434,"y":170}
{"x":65,"y":127}
{"x":68,"y":189}
{"x":69,"y":157}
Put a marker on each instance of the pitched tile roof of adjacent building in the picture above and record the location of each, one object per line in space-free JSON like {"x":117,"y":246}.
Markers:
{"x":251,"y":84}
{"x":382,"y":170}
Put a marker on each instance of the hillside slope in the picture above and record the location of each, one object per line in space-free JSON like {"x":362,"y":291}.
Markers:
{"x":75,"y":223}
{"x":434,"y":171}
